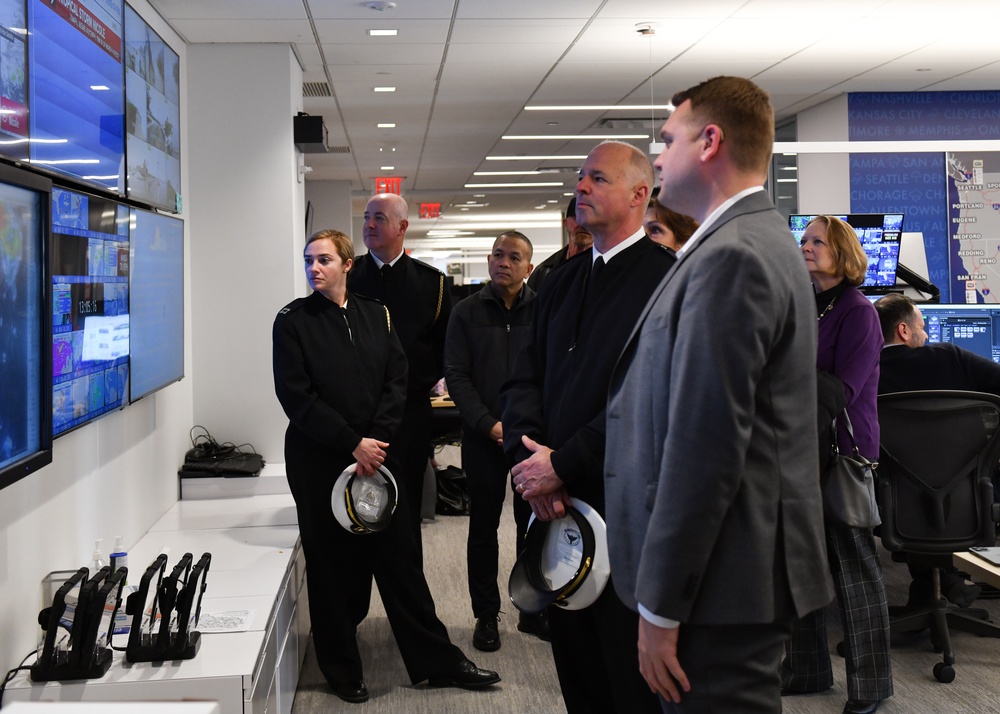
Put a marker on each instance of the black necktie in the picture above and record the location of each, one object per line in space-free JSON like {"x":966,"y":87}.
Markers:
{"x":595,"y":272}
{"x":385,"y":270}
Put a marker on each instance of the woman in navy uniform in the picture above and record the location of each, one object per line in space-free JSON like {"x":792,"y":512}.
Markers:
{"x":340,"y":376}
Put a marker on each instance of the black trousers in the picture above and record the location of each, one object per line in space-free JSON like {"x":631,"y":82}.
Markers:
{"x":487,"y":476}
{"x":339,"y":569}
{"x":411,"y":449}
{"x":597,"y":659}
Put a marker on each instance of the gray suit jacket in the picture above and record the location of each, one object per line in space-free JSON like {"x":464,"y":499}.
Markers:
{"x":711,"y":472}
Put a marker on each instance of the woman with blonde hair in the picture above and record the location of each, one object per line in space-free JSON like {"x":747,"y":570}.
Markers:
{"x":849,"y":345}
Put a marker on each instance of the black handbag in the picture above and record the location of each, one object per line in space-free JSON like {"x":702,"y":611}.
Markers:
{"x":849,"y":485}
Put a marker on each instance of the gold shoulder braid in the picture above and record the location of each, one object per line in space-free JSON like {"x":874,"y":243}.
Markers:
{"x":388,"y":325}
{"x":437,"y":312}
{"x":827,"y":309}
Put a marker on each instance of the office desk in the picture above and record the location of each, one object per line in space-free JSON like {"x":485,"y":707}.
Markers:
{"x":257,"y":565}
{"x":978,"y":568}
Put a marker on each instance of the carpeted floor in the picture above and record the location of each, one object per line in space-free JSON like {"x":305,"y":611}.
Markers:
{"x":529,"y":681}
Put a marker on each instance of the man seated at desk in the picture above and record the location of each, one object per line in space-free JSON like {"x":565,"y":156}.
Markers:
{"x":908,"y":364}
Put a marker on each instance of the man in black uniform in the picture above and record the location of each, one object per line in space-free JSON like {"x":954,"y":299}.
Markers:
{"x":419,"y":303}
{"x":578,"y":240}
{"x":554,"y":409}
{"x":485,"y":333}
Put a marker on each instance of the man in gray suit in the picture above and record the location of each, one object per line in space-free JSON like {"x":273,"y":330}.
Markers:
{"x":714,"y":515}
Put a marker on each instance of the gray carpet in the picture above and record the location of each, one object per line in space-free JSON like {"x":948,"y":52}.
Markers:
{"x":529,"y":681}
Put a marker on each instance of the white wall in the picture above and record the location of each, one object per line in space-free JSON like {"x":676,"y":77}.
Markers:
{"x":331,"y":202}
{"x":248,"y":216}
{"x":824,"y":179}
{"x":117,"y":475}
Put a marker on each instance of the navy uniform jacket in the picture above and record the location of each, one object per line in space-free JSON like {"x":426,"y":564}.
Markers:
{"x":333,"y":392}
{"x":558,"y":390}
{"x":419,"y":301}
{"x":936,"y":366}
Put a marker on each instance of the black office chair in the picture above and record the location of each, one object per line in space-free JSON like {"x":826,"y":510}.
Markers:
{"x":935,"y":495}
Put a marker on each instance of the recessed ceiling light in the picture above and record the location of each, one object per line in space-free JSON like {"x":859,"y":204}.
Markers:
{"x":383,"y":33}
{"x":598,"y":107}
{"x":789,"y":168}
{"x":505,"y":173}
{"x":383,"y":89}
{"x":479,"y":195}
{"x":513,"y":185}
{"x":99,"y":88}
{"x":553,"y":200}
{"x":569,"y":193}
{"x":788,"y":180}
{"x":387,"y":126}
{"x":387,"y":168}
{"x":535,"y":158}
{"x":571,"y":137}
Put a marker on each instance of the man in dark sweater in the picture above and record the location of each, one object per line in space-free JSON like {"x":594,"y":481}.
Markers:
{"x":554,"y":409}
{"x":485,"y":333}
{"x":907,"y":364}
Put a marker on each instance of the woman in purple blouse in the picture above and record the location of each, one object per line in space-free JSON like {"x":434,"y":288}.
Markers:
{"x":850,"y":341}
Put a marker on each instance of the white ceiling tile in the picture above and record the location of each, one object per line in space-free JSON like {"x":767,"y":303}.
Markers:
{"x":221,"y":30}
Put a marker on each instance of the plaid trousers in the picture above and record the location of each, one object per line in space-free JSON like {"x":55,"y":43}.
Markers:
{"x":857,"y":578}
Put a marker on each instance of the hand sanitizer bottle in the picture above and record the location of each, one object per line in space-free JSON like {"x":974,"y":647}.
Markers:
{"x":119,"y":558}
{"x":97,"y":561}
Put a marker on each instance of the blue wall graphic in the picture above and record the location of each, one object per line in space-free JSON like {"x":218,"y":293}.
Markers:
{"x":914,"y":183}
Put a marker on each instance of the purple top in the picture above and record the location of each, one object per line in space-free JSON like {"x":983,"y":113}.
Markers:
{"x":850,"y":343}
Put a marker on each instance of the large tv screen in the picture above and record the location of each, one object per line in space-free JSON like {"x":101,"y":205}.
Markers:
{"x":77,"y":93}
{"x":90,"y":307}
{"x":25,"y":352}
{"x":156,"y":310}
{"x":880,"y":235}
{"x":13,"y":80}
{"x":152,"y":115}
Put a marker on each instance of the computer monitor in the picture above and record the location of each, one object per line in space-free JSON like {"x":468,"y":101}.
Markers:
{"x":25,"y":324}
{"x":90,"y":307}
{"x":972,"y":327}
{"x":880,"y":235}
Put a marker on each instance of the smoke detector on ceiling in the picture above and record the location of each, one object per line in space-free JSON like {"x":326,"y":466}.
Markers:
{"x":380,"y":5}
{"x":646,"y":29}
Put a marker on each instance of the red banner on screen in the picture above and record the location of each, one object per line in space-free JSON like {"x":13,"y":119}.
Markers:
{"x":76,"y":14}
{"x":13,"y":117}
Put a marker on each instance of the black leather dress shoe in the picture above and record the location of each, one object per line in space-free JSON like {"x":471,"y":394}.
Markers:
{"x":537,"y":625}
{"x":855,"y":706}
{"x":466,"y":675}
{"x":354,"y":692}
{"x":487,"y":635}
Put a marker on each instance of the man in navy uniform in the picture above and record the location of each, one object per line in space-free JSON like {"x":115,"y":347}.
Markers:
{"x":554,"y":409}
{"x":419,"y":303}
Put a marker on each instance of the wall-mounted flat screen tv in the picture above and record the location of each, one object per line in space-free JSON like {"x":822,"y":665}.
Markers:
{"x":152,"y":116}
{"x":13,"y":80}
{"x":90,"y":307}
{"x":156,"y":305}
{"x":77,"y":90}
{"x":880,"y":235}
{"x":25,"y":343}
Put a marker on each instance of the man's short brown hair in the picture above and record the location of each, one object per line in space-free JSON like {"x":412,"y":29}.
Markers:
{"x":744,"y":113}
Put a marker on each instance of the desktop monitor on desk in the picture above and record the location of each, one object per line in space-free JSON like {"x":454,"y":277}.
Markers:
{"x":972,"y":327}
